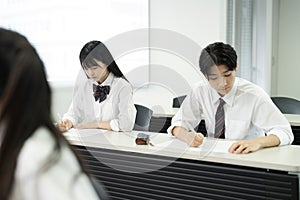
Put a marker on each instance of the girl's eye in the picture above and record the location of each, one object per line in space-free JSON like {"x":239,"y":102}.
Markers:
{"x":227,"y":75}
{"x":213,"y":78}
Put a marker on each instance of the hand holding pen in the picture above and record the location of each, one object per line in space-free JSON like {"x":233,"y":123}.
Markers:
{"x":192,"y":138}
{"x":197,"y":138}
{"x":64,"y":125}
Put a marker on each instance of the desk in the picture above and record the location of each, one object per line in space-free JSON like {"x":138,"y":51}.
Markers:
{"x":293,"y":119}
{"x":145,"y":172}
{"x":161,"y":121}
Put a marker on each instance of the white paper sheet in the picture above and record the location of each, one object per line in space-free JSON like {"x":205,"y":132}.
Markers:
{"x":82,"y":132}
{"x":208,"y":145}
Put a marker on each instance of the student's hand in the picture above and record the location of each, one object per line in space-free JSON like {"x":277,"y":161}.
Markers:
{"x":244,"y":147}
{"x":194,"y":140}
{"x":247,"y":146}
{"x":64,"y":125}
{"x":189,"y":137}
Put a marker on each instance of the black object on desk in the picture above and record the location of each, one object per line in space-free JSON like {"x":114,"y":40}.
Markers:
{"x":142,"y":139}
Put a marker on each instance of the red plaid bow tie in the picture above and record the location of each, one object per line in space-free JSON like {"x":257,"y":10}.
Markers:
{"x":100,"y":92}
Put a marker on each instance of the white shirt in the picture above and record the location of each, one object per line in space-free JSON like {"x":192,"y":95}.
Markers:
{"x":118,"y":107}
{"x":58,"y":182}
{"x":249,"y":112}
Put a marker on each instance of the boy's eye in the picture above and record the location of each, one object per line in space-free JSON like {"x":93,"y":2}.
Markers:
{"x":227,"y":74}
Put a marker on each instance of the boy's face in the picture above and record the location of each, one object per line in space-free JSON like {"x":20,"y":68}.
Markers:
{"x":221,"y":79}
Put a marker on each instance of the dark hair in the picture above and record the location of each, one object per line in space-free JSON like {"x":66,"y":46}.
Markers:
{"x":8,"y":49}
{"x":217,"y":54}
{"x":96,"y":50}
{"x":25,"y":105}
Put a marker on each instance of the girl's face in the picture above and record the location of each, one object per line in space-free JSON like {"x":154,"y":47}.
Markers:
{"x":221,"y":79}
{"x":98,"y":73}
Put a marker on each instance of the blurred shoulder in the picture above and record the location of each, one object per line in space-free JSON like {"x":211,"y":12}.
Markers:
{"x":121,"y":83}
{"x":248,"y":87}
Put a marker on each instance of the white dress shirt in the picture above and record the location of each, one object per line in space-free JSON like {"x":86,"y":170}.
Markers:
{"x":59,"y":182}
{"x":118,"y":108}
{"x":249,"y":112}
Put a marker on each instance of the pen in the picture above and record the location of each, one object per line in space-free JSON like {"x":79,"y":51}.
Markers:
{"x":190,"y":128}
{"x":59,"y":117}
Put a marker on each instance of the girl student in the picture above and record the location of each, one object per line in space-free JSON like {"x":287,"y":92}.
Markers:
{"x":102,"y":96}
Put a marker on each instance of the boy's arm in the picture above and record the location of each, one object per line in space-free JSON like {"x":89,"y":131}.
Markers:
{"x":189,"y":137}
{"x":247,"y":146}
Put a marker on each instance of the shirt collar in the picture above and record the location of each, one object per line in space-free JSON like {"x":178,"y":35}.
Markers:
{"x":215,"y":96}
{"x":108,"y":80}
{"x":229,"y":98}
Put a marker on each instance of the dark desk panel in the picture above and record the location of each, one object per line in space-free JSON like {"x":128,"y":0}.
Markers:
{"x":161,"y":124}
{"x":184,"y":178}
{"x":296,"y":131}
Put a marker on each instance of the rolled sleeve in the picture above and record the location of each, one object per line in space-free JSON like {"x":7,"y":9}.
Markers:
{"x":284,"y":134}
{"x":114,"y":125}
{"x":188,"y":115}
{"x":126,"y":111}
{"x":174,"y":124}
{"x":272,"y":121}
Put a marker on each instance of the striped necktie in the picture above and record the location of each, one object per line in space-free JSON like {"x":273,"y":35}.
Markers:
{"x":220,"y":120}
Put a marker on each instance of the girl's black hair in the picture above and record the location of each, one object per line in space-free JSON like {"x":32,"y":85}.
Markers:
{"x":96,"y":51}
{"x":25,"y":105}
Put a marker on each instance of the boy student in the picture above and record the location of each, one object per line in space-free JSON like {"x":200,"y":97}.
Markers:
{"x":233,"y":108}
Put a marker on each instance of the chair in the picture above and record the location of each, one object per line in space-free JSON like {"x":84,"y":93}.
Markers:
{"x":143,"y":117}
{"x":287,"y":105}
{"x":177,"y":101}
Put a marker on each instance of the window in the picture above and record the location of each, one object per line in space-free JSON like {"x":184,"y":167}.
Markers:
{"x":240,"y":35}
{"x":59,"y":29}
{"x":249,"y":31}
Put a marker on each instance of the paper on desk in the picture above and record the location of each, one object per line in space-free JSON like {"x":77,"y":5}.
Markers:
{"x":82,"y":132}
{"x":209,"y":144}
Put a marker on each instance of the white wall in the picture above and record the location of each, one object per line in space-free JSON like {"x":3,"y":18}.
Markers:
{"x":202,"y":22}
{"x":193,"y":24}
{"x":288,"y":76}
{"x":61,"y":99}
